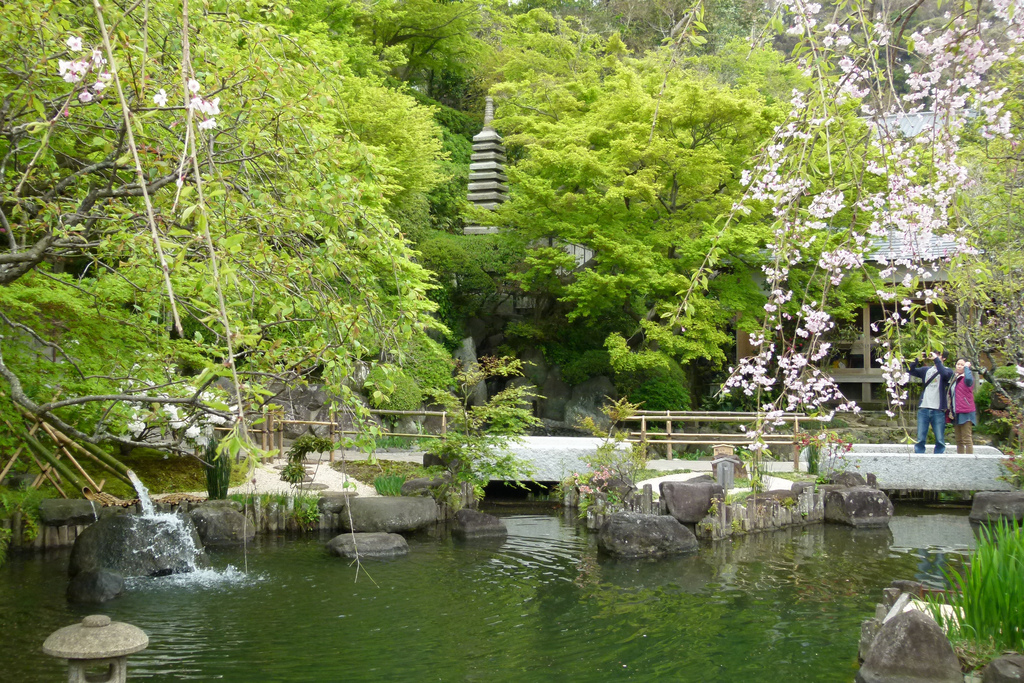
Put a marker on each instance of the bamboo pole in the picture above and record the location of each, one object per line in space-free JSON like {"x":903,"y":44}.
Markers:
{"x":67,"y":454}
{"x":62,"y":469}
{"x":17,"y":452}
{"x":45,"y":473}
{"x":63,"y":438}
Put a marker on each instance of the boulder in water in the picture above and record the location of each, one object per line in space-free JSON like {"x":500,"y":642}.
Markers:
{"x":63,"y":511}
{"x":471,"y":524}
{"x":998,"y":506}
{"x":628,"y":534}
{"x":390,"y":513}
{"x":860,"y":507}
{"x":95,"y":586}
{"x":379,"y":545}
{"x":220,"y":525}
{"x":130,"y":545}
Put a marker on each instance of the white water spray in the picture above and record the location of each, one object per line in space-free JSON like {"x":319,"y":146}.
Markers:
{"x":148,"y":510}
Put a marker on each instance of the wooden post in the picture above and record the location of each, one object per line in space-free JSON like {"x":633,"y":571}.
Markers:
{"x":643,"y":429}
{"x":796,"y":444}
{"x":330,"y":432}
{"x":263,"y":431}
{"x":444,"y":424}
{"x":668,"y":436}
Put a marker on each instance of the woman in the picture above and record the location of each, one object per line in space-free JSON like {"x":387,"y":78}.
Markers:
{"x":961,"y":405}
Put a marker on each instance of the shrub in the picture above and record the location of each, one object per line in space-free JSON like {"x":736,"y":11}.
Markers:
{"x":583,"y":366}
{"x":983,"y":397}
{"x":661,"y":393}
{"x":429,"y":364}
{"x":392,"y":389}
{"x":986,"y":596}
{"x":1013,"y":471}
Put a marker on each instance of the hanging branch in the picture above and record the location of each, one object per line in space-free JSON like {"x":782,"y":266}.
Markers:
{"x":139,"y":174}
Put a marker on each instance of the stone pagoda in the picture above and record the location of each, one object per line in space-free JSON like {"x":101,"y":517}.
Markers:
{"x":487,"y":180}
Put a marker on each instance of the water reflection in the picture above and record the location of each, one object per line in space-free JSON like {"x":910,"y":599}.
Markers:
{"x":542,"y":605}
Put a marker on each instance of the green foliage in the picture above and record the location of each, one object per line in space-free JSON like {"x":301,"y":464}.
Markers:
{"x":625,"y":462}
{"x":390,"y":388}
{"x":581,"y":367}
{"x":429,"y":364}
{"x":389,"y":485}
{"x":635,"y":160}
{"x":470,"y":267}
{"x":476,"y":446}
{"x":26,"y":502}
{"x":306,"y":511}
{"x":648,"y":376}
{"x":985,"y":597}
{"x":312,"y":272}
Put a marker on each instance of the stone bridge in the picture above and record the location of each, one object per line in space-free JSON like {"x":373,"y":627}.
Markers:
{"x":896,"y":466}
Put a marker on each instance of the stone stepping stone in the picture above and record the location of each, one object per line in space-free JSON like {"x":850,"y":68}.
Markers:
{"x":315,"y":487}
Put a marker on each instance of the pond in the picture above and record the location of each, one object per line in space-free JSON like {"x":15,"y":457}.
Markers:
{"x":543,"y":606}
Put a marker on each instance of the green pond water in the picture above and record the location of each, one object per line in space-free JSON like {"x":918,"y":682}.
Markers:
{"x":543,"y":606}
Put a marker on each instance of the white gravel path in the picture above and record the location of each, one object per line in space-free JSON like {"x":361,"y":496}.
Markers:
{"x":267,"y":479}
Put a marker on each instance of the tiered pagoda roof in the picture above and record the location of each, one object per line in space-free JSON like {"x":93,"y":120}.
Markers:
{"x":487,"y":179}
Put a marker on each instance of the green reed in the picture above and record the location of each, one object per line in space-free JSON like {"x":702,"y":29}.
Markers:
{"x":987,"y":596}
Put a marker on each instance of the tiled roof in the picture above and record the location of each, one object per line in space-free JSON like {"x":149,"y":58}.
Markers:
{"x":895,"y":247}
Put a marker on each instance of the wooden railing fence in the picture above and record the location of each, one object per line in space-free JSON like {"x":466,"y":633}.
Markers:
{"x":671,"y":438}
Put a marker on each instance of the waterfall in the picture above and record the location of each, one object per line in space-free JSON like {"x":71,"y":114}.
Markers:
{"x":164,"y":533}
{"x":144,"y":500}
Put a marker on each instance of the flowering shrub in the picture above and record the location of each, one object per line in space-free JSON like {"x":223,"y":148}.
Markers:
{"x":826,"y":452}
{"x":590,"y":484}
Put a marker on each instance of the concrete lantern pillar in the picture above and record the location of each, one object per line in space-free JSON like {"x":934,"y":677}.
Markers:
{"x":97,"y":642}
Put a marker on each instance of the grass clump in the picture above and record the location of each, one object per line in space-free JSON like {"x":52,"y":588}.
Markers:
{"x":389,"y":485}
{"x":985,"y":598}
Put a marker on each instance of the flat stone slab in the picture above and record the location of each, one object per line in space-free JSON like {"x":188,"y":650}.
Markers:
{"x":897,"y":467}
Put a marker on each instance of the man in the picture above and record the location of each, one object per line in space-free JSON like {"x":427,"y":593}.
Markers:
{"x":931,"y":411}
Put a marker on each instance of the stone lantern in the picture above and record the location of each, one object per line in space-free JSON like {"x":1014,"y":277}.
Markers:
{"x":96,"y":642}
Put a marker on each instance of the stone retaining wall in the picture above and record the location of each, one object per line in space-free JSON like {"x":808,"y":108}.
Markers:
{"x":275,"y":519}
{"x":761,"y":513}
{"x":48,"y":536}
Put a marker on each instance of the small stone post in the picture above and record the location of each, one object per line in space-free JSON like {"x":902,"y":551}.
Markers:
{"x":96,"y":642}
{"x":724,"y":473}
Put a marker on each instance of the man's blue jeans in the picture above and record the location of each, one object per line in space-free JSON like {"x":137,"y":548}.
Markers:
{"x":936,"y":419}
